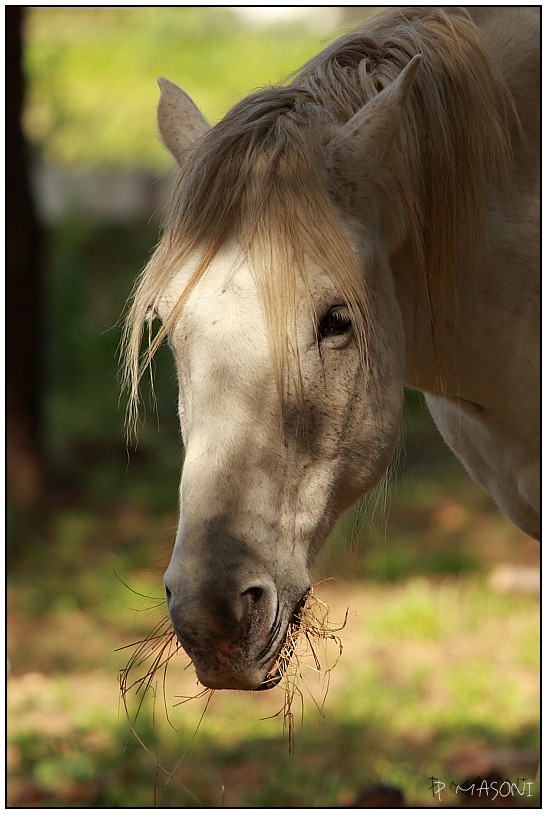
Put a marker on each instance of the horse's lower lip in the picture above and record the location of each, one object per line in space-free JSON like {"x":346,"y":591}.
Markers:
{"x":276,"y":672}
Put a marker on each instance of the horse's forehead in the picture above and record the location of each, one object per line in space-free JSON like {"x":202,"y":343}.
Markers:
{"x":225,"y":307}
{"x":221,"y":323}
{"x":227,"y":276}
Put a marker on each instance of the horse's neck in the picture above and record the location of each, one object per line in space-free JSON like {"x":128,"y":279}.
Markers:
{"x":497,"y":296}
{"x":487,"y":341}
{"x":481,"y":380}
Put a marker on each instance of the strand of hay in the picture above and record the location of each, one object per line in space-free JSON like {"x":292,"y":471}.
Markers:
{"x":308,"y":637}
{"x":157,"y":649}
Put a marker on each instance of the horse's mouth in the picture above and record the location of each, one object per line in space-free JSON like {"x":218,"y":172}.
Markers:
{"x":286,"y":650}
{"x":221,"y":664}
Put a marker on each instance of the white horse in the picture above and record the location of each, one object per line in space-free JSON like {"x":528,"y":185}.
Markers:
{"x":369,"y":226}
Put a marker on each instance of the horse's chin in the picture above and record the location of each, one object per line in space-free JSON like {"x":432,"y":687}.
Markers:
{"x":246,"y":678}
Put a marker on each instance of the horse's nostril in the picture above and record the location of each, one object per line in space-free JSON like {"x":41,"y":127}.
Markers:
{"x":255,"y":594}
{"x":254,"y":603}
{"x":168,"y":594}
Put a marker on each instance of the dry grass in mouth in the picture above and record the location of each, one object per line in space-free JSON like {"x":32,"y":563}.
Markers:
{"x":306,"y":648}
{"x":308,"y":637}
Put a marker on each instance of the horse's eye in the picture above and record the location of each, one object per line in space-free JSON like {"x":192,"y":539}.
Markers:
{"x":335,"y":322}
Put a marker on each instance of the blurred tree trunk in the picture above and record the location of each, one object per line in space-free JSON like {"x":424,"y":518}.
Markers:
{"x":24,"y":340}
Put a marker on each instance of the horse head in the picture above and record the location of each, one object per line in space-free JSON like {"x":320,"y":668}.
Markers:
{"x":290,"y":359}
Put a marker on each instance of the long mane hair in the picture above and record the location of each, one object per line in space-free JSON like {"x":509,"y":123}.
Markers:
{"x":258,"y":176}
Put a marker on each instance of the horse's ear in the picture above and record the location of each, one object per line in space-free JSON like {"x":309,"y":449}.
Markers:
{"x":357,"y":149}
{"x":179,"y":120}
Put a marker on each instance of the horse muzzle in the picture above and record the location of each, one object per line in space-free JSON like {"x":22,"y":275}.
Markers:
{"x":233,"y":635}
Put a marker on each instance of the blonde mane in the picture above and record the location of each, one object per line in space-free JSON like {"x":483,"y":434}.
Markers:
{"x":258,"y":176}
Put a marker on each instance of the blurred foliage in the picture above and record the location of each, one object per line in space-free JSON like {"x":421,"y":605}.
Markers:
{"x":92,"y":74}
